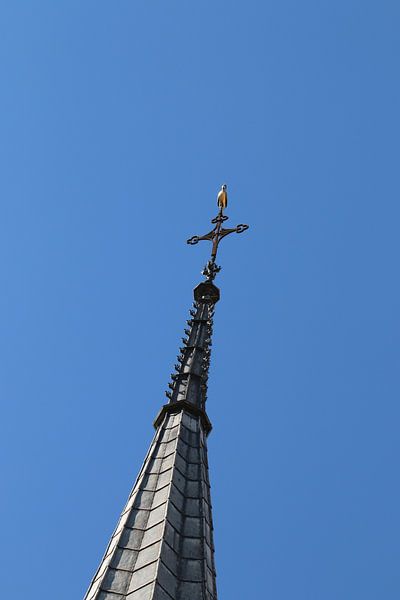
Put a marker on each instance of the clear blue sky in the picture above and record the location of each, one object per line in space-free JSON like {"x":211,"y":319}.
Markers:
{"x":118,"y":123}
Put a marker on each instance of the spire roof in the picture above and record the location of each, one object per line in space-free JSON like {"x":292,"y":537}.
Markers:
{"x":162,"y":547}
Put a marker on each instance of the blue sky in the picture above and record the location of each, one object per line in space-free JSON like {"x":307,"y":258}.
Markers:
{"x":118,"y":123}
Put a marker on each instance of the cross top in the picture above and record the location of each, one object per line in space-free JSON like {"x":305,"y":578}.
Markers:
{"x":217,"y":234}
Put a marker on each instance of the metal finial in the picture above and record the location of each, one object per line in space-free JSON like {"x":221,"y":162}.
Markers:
{"x":217,"y":234}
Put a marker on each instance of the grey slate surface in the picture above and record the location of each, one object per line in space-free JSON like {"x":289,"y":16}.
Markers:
{"x":162,"y":548}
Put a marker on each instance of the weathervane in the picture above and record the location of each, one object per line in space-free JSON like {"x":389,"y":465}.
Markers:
{"x":216,"y":235}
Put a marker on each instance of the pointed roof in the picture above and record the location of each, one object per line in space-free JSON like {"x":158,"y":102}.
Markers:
{"x":162,"y":547}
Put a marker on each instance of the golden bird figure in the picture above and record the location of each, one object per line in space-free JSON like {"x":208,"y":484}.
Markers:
{"x":222,"y":198}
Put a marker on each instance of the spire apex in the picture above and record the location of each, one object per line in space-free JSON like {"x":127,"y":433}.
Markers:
{"x":215,"y":236}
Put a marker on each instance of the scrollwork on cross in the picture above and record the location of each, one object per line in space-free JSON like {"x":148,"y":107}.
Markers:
{"x":215,"y":236}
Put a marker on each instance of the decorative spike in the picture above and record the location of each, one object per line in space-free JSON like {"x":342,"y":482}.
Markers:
{"x":185,"y":341}
{"x":189,"y":322}
{"x":171,"y":386}
{"x":192,"y":312}
{"x":174,"y":377}
{"x":187,"y":331}
{"x":168,"y":394}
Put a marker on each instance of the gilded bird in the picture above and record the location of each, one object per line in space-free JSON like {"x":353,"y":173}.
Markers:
{"x":222,"y":198}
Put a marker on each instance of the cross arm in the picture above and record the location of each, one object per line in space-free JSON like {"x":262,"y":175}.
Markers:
{"x":196,"y":238}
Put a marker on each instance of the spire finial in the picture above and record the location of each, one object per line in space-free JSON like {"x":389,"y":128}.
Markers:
{"x":217,"y":234}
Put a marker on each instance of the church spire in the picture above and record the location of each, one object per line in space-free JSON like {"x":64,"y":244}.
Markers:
{"x":162,"y":548}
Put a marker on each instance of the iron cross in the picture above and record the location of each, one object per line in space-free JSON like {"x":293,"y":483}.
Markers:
{"x":215,"y":236}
